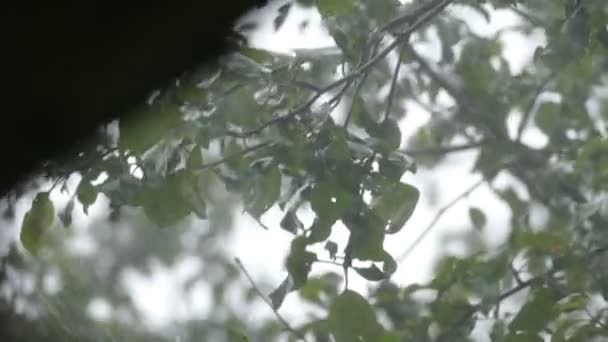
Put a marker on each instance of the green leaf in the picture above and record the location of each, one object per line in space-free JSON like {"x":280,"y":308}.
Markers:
{"x":562,"y":329}
{"x":366,"y":238}
{"x":351,"y":318}
{"x":299,"y":262}
{"x":306,"y":3}
{"x":332,"y":248}
{"x":137,"y":134}
{"x":66,"y":214}
{"x":386,"y":136}
{"x":87,"y":194}
{"x":329,"y":201}
{"x":549,"y":118}
{"x":573,"y":302}
{"x":37,"y":222}
{"x":535,"y":314}
{"x":478,"y":218}
{"x":372,"y":273}
{"x":318,"y":288}
{"x":390,"y":265}
{"x":320,"y":230}
{"x":291,"y":223}
{"x":334,"y":8}
{"x":195,"y":158}
{"x":523,"y":337}
{"x":193,"y":196}
{"x":396,"y":206}
{"x":280,"y":18}
{"x":390,"y":336}
{"x":265,"y":191}
{"x":543,"y":241}
{"x":165,"y":204}
{"x":278,"y":295}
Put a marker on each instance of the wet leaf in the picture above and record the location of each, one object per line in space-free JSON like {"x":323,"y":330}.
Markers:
{"x":37,"y":222}
{"x":87,"y":194}
{"x":396,"y":206}
{"x":351,"y":318}
{"x":278,"y":295}
{"x":478,"y":218}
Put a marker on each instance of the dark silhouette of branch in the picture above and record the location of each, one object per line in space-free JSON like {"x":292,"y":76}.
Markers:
{"x":391,"y":93}
{"x":531,"y":105}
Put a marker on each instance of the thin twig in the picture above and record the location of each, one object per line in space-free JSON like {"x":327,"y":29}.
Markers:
{"x":391,"y":93}
{"x":434,"y":8}
{"x":266,"y":300}
{"x":360,"y":83}
{"x":438,"y":216}
{"x":515,"y":274}
{"x":531,"y":105}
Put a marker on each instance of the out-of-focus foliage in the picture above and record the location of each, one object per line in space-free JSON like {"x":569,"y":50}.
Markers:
{"x":317,"y":134}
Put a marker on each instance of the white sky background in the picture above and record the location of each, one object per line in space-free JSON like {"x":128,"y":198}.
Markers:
{"x":160,"y":298}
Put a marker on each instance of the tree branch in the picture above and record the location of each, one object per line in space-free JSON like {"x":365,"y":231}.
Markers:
{"x":391,"y":93}
{"x":531,"y":104}
{"x":434,"y":8}
{"x":437,"y":217}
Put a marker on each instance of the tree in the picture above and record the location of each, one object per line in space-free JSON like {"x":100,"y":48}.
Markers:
{"x":317,"y":136}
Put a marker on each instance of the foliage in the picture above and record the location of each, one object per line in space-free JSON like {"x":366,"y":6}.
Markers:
{"x":315,"y":134}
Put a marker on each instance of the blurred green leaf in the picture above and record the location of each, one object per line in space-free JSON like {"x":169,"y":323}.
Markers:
{"x":478,"y":218}
{"x":333,"y":8}
{"x":278,"y":295}
{"x":299,"y":262}
{"x":37,"y":221}
{"x":372,"y":273}
{"x":87,"y":194}
{"x":396,"y":206}
{"x":351,"y":318}
{"x":536,"y":313}
{"x":332,"y":248}
{"x":320,"y":230}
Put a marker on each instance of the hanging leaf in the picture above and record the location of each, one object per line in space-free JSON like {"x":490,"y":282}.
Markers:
{"x":478,"y":218}
{"x":265,"y":191}
{"x":320,"y":230}
{"x":280,"y":18}
{"x":536,"y":313}
{"x":386,"y":136}
{"x":278,"y":295}
{"x":291,"y":222}
{"x":366,"y":238}
{"x":390,"y":265}
{"x":66,"y":215}
{"x":332,"y":248}
{"x":396,"y":206}
{"x":372,"y":273}
{"x":87,"y":194}
{"x":37,"y":222}
{"x":299,"y":262}
{"x":351,"y":318}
